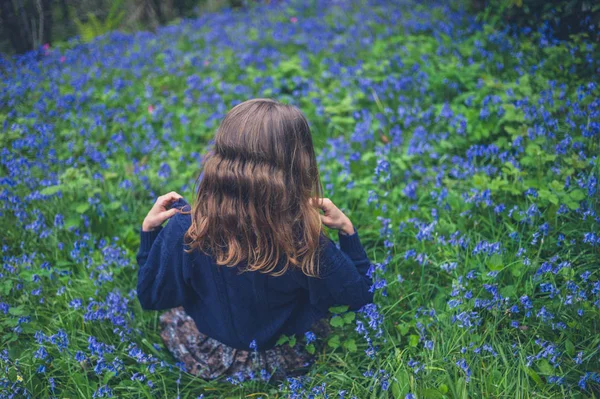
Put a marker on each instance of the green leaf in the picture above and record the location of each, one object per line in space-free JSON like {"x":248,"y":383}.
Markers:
{"x":51,"y":190}
{"x":108,"y":376}
{"x":10,"y":337}
{"x":72,"y":222}
{"x":396,"y":393}
{"x":114,"y":205}
{"x":403,"y":328}
{"x":577,"y":195}
{"x":572,"y":205}
{"x":508,"y":291}
{"x":493,"y":377}
{"x":556,"y":186}
{"x":81,"y":208}
{"x":336,"y":321}
{"x":534,"y":376}
{"x":413,"y":340}
{"x":350,"y":345}
{"x":5,"y":287}
{"x":545,"y":367}
{"x":342,"y":120}
{"x":533,"y":149}
{"x":334,"y":341}
{"x":430,"y":393}
{"x":443,"y":388}
{"x":570,"y":348}
{"x":17,"y":311}
{"x":310,"y":348}
{"x":553,"y":199}
{"x":349,"y":317}
{"x":292,"y":341}
{"x":544,"y":194}
{"x":403,"y":380}
{"x":338,"y":309}
{"x":461,"y":388}
{"x":282,"y":340}
{"x":10,"y":322}
{"x":495,"y":263}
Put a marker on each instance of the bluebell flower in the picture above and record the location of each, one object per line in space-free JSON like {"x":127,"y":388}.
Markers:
{"x":253,"y":345}
{"x":462,"y":363}
{"x":164,"y":172}
{"x":310,"y":337}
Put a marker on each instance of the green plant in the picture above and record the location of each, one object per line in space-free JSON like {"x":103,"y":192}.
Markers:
{"x":94,"y":27}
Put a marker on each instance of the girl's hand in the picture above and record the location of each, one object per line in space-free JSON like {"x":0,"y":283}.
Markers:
{"x":159,"y":213}
{"x":333,"y":217}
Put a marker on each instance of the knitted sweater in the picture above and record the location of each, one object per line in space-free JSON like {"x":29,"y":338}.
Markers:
{"x":236,"y":307}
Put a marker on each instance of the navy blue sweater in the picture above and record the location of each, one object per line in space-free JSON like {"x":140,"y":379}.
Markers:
{"x":236,"y":307}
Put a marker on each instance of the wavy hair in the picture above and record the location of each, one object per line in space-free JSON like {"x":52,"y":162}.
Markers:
{"x":253,"y":195}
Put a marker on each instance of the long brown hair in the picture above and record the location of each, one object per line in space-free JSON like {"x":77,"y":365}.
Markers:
{"x":253,"y":195}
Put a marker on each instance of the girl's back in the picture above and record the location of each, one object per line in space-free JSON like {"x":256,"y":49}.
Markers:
{"x":248,"y":261}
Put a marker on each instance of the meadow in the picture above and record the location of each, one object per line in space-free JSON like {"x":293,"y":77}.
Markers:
{"x":466,"y":155}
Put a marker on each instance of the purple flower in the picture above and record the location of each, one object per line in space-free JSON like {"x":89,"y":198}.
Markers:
{"x":462,"y":363}
{"x":253,"y":345}
{"x":310,"y":337}
{"x":164,"y":172}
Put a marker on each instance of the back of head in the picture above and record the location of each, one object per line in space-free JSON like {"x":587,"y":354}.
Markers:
{"x":253,"y":198}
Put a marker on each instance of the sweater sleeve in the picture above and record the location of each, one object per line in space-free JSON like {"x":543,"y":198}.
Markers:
{"x":343,"y":275}
{"x":161,"y":278}
{"x":351,"y":246}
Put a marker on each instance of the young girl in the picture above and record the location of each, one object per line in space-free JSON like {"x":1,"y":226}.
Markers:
{"x":248,"y":261}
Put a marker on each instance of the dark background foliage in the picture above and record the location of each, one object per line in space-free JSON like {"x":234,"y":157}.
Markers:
{"x":28,"y":24}
{"x":563,"y":18}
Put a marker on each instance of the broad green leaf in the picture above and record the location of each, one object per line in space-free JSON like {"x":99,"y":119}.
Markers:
{"x":403,"y":328}
{"x":545,"y":367}
{"x":349,"y":317}
{"x":577,"y":195}
{"x":413,"y":340}
{"x":334,"y":341}
{"x":570,"y":348}
{"x":114,"y":205}
{"x":5,"y":287}
{"x":51,"y":190}
{"x":572,"y":205}
{"x":338,"y":309}
{"x":282,"y":340}
{"x":81,"y":208}
{"x":534,"y":376}
{"x":336,"y":321}
{"x":17,"y":310}
{"x":72,"y":221}
{"x":350,"y":345}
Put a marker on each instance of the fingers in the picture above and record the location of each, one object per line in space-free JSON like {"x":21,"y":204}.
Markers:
{"x":159,"y":218}
{"x":168,"y":198}
{"x":322,"y":203}
{"x":172,"y":196}
{"x":170,"y":213}
{"x":332,"y":217}
{"x":326,"y":220}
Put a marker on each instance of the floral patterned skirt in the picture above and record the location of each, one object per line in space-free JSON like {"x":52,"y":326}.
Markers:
{"x":210,"y":359}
